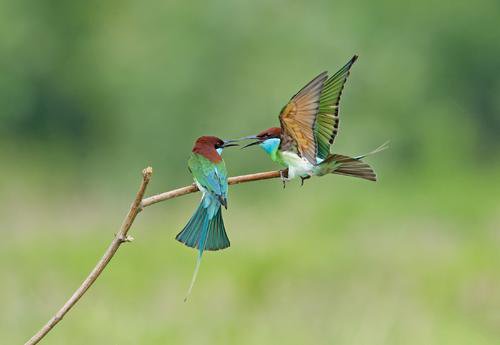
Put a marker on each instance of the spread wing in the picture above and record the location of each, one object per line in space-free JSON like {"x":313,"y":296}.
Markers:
{"x":298,"y":119}
{"x":327,"y":121}
{"x":212,"y":176}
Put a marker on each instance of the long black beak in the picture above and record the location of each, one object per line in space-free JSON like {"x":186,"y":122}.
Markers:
{"x":228,"y":143}
{"x":252,"y":144}
{"x":251,"y":137}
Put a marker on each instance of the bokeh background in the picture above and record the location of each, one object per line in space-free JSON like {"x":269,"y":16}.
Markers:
{"x":92,"y":92}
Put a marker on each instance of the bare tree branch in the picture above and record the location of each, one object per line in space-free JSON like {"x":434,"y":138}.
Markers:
{"x":192,"y":188}
{"x":122,"y":236}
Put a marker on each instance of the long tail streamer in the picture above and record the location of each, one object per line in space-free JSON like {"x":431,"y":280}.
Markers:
{"x":195,"y":274}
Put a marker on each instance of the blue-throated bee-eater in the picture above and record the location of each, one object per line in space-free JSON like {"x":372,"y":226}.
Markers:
{"x":205,"y":230}
{"x":309,"y":124}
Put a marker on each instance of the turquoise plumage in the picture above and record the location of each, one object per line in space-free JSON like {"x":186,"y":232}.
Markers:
{"x":205,"y":229}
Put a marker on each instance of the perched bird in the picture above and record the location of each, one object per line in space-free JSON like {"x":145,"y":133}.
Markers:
{"x":205,"y":230}
{"x":309,"y":124}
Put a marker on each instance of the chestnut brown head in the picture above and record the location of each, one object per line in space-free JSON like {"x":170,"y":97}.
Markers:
{"x":270,"y":133}
{"x":210,"y":147}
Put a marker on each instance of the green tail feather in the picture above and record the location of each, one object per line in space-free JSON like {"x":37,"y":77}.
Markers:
{"x":204,"y":234}
{"x":190,"y":235}
{"x":217,"y":237}
{"x":381,"y":148}
{"x":350,"y":166}
{"x":213,"y":238}
{"x":193,"y":279}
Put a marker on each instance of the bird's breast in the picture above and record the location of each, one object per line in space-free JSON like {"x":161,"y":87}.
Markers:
{"x":297,"y":166}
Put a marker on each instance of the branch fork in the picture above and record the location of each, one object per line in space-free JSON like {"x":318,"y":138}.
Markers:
{"x":122,"y":236}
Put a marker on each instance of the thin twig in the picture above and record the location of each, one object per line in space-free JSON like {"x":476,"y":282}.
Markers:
{"x":122,"y":236}
{"x":192,"y":188}
{"x":119,"y":238}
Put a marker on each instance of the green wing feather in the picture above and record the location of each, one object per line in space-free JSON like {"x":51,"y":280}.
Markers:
{"x":212,"y":176}
{"x":327,"y":121}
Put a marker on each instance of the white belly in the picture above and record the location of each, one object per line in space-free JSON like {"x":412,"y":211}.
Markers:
{"x":297,"y":166}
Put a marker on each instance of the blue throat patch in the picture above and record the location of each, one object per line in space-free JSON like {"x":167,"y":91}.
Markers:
{"x":270,"y":145}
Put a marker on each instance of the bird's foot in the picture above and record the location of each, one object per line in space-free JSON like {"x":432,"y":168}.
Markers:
{"x":302,"y":179}
{"x":284,"y":177}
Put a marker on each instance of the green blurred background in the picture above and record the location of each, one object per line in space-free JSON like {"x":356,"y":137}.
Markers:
{"x":92,"y":92}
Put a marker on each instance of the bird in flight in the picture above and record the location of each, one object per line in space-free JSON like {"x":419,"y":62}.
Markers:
{"x":309,"y":124}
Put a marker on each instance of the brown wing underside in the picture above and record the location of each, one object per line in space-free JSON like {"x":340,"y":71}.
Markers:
{"x":298,"y":120}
